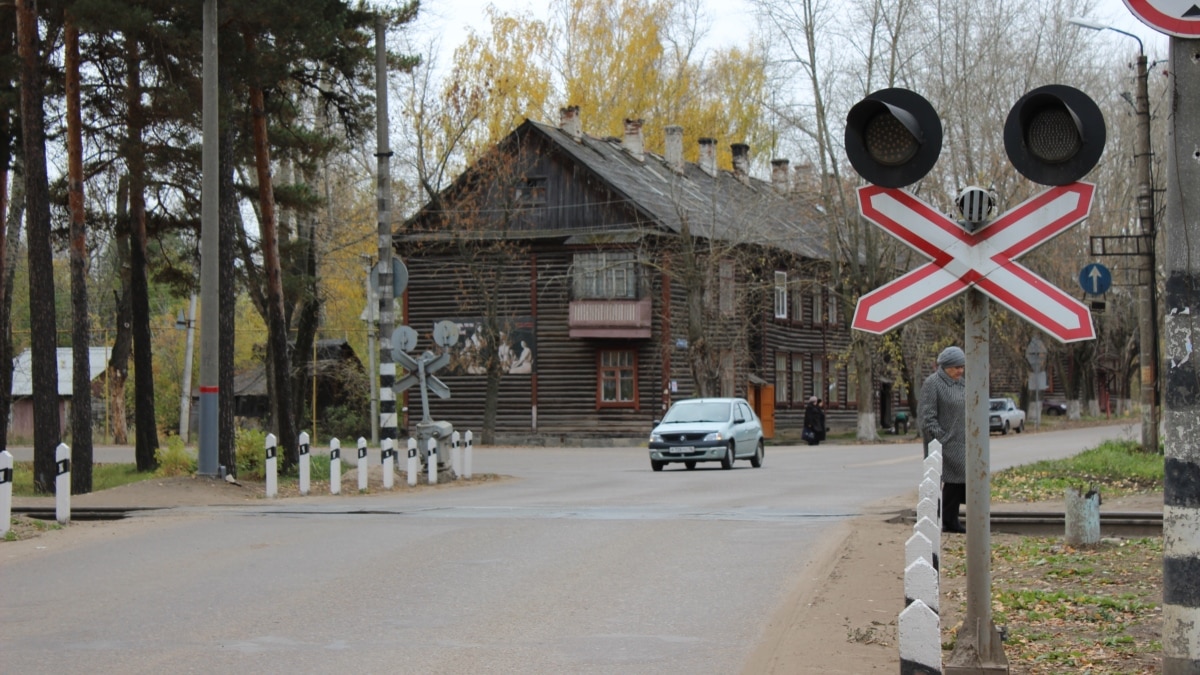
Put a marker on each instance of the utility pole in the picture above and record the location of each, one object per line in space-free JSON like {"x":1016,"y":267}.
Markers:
{"x":388,"y":420}
{"x":210,"y":221}
{"x":1147,"y":316}
{"x":1181,"y":393}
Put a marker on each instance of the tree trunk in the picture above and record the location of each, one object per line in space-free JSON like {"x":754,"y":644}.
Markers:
{"x":44,"y":367}
{"x":230,"y":225}
{"x":145,"y":425}
{"x":118,"y":360}
{"x":7,"y":35}
{"x":9,"y":233}
{"x":277,"y":348}
{"x":309,"y":316}
{"x":81,"y":337}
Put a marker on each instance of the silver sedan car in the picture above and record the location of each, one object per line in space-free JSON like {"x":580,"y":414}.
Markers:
{"x":707,"y":430}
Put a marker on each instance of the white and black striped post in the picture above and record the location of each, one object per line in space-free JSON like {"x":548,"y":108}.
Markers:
{"x":305,"y":464}
{"x":456,"y":454}
{"x":6,"y":483}
{"x":431,"y":458}
{"x":467,"y":452}
{"x":1181,"y":415}
{"x":335,"y":466}
{"x":388,"y":454}
{"x":919,"y":656}
{"x":62,"y":483}
{"x":413,"y":462}
{"x":362,"y":464}
{"x":271,"y":468}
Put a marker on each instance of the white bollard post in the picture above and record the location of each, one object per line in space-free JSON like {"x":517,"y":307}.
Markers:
{"x":6,"y":483}
{"x":62,"y":484}
{"x":467,"y":455}
{"x":432,"y":459}
{"x":918,"y":547}
{"x":921,"y":583}
{"x":271,"y":468}
{"x":335,"y":466}
{"x":455,"y":455}
{"x":362,"y":464}
{"x":412,"y":461}
{"x":305,"y":464}
{"x":920,"y":637}
{"x":388,"y":453}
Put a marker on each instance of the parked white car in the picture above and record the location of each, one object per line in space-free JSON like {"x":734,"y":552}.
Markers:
{"x":1003,"y":415}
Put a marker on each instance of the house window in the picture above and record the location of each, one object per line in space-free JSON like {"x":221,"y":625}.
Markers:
{"x":797,"y":378}
{"x":797,"y":305}
{"x":832,"y":395}
{"x":605,"y":275}
{"x":851,"y":385}
{"x":818,"y":304}
{"x":832,"y":306}
{"x":530,"y":192}
{"x":725,"y":274}
{"x":781,"y":377}
{"x":728,"y":372}
{"x":781,"y":295}
{"x":818,"y":379}
{"x":617,"y":378}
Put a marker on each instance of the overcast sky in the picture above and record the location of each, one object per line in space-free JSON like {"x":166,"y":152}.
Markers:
{"x":448,"y":20}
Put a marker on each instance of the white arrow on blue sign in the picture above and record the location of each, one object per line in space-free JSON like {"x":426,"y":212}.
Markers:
{"x":1095,"y":279}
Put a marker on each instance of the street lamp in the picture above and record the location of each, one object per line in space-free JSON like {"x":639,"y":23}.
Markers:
{"x":1148,"y":318}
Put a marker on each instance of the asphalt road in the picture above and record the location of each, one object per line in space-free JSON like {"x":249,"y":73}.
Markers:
{"x":586,"y":562}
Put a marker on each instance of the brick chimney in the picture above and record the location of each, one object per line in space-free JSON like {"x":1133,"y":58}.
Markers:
{"x":741,"y":161}
{"x":673,"y":152}
{"x":779,"y":176}
{"x":569,"y":122}
{"x":633,"y":139}
{"x":708,"y":156}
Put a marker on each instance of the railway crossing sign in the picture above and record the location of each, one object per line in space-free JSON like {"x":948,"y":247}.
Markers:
{"x":1095,"y":279}
{"x":1173,"y":17}
{"x":985,"y":259}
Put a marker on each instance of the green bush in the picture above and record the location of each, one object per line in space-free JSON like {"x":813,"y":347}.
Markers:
{"x":250,"y":447}
{"x":175,"y":460}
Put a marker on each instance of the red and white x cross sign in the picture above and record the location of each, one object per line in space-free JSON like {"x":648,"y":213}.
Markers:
{"x":984,"y":259}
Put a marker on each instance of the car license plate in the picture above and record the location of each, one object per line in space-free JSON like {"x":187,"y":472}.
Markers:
{"x":682,"y":449}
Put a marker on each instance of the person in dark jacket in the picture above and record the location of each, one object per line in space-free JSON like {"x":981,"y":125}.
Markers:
{"x":943,"y":416}
{"x":814,"y":422}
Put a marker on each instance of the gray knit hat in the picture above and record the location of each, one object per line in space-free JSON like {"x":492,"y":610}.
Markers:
{"x":951,"y":357}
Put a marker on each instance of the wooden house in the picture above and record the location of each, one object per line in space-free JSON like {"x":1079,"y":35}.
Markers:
{"x":611,"y":276}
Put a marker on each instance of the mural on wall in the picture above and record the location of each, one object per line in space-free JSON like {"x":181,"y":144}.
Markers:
{"x":516,"y":350}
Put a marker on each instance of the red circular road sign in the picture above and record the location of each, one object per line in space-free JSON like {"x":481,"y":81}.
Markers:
{"x":1174,"y":17}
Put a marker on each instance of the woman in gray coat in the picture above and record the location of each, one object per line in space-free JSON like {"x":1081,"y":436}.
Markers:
{"x":942,"y":412}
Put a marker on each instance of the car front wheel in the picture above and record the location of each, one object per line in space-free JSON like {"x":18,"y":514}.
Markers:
{"x":727,"y":459}
{"x":757,"y":459}
{"x":1021,"y":426}
{"x":690,"y":465}
{"x":1004,"y":429}
{"x":657,"y":464}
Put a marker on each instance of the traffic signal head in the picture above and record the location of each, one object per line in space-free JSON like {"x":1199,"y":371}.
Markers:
{"x":1054,"y":135}
{"x":893,"y":137}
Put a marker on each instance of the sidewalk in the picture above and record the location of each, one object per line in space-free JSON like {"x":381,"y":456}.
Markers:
{"x":841,"y":616}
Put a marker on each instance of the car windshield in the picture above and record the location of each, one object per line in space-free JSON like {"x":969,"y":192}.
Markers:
{"x":998,"y":405}
{"x":699,"y":411}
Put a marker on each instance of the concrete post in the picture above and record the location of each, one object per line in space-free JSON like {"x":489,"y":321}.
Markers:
{"x":62,"y":484}
{"x":6,"y":483}
{"x":335,"y":466}
{"x":271,"y":468}
{"x":388,"y":454}
{"x":456,"y":454}
{"x":363,"y":463}
{"x":413,"y":462}
{"x":978,"y":648}
{"x":305,"y":464}
{"x":467,"y":455}
{"x":918,"y":654}
{"x":1181,"y":372}
{"x":432,"y":461}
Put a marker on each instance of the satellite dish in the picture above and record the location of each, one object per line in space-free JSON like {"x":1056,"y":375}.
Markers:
{"x":404,"y":339}
{"x":445,"y":333}
{"x":399,"y":278}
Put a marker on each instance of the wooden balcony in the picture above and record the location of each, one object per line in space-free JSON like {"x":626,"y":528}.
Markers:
{"x":628,"y":319}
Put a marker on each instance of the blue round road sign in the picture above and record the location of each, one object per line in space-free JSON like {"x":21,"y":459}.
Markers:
{"x":1095,"y":279}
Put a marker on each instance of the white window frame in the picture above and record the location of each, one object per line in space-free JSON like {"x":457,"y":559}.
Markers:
{"x":781,"y":295}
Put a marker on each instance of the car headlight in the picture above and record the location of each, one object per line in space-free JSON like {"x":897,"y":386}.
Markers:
{"x":714,"y":436}
{"x":656,"y":438}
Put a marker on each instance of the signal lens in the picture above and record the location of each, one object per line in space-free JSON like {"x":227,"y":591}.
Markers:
{"x":888,"y":141}
{"x":1052,"y":135}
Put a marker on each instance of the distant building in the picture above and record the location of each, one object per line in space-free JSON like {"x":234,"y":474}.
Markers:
{"x":20,"y":423}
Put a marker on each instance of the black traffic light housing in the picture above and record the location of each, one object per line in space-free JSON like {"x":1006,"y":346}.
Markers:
{"x":1054,"y":135}
{"x":893,"y":137}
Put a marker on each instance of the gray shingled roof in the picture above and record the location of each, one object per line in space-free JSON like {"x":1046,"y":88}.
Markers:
{"x":723,"y":207}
